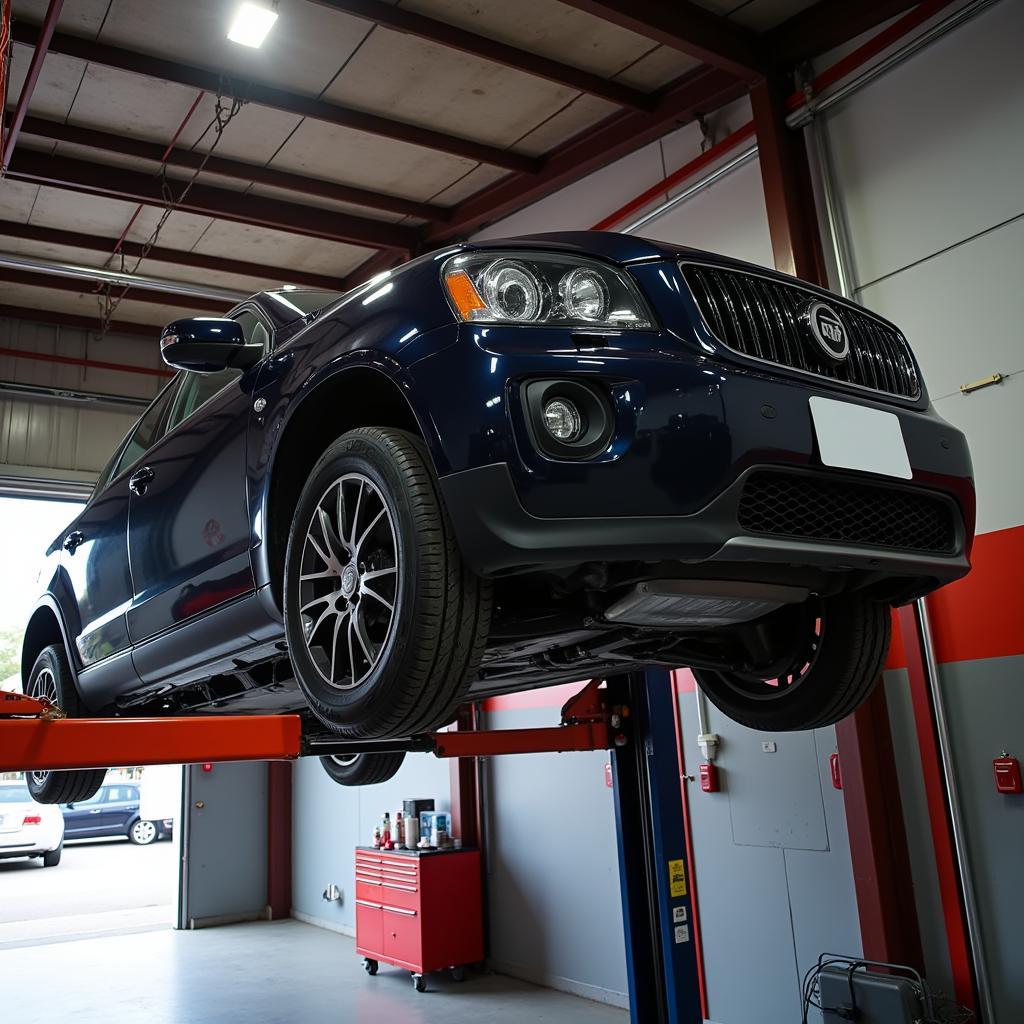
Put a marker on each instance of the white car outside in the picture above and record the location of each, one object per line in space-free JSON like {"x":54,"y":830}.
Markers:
{"x":28,"y":829}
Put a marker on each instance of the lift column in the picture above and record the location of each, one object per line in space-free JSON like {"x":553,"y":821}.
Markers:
{"x":657,"y":908}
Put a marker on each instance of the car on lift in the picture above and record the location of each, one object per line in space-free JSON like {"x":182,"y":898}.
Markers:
{"x":113,"y":810}
{"x":26,"y":829}
{"x":504,"y":465}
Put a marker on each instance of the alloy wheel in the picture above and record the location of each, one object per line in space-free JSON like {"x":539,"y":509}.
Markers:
{"x":348,"y":581}
{"x":44,"y":686}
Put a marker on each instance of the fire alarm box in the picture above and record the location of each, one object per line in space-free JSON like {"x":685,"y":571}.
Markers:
{"x":709,"y":777}
{"x":1008,"y":777}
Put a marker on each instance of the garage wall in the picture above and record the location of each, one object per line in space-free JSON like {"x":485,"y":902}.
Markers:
{"x":929,"y":162}
{"x":329,"y":821}
{"x":44,"y":438}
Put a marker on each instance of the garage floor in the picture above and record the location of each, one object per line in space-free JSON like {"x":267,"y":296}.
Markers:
{"x":258,"y":973}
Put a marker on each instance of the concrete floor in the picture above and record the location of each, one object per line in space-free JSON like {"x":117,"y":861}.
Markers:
{"x":267,"y":973}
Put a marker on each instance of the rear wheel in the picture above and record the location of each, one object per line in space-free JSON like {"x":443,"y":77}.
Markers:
{"x":385,"y":623}
{"x":51,"y":678}
{"x":835,"y":651}
{"x":142,"y":832}
{"x":362,"y":769}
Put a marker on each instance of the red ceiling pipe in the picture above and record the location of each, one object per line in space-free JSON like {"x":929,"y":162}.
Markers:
{"x":92,"y":364}
{"x":719,"y":149}
{"x":836,"y":72}
{"x":46,"y":31}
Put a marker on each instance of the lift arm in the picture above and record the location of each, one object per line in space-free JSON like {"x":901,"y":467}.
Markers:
{"x":35,"y":736}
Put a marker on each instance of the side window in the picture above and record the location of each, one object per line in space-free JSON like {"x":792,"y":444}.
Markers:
{"x":147,"y":431}
{"x":199,"y":388}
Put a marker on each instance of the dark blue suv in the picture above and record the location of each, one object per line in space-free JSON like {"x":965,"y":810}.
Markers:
{"x":504,"y":465}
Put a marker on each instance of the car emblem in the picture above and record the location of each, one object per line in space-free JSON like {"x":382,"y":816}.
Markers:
{"x":827,"y":330}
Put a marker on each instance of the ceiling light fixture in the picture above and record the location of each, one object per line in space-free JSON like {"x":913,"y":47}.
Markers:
{"x":252,"y":23}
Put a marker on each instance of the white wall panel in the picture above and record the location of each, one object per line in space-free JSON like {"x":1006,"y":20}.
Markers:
{"x":933,"y":152}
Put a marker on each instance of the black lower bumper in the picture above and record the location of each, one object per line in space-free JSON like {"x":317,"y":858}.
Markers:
{"x":498,"y":536}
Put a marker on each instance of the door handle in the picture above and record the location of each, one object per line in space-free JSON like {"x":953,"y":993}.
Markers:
{"x":139,"y":480}
{"x":72,"y":540}
{"x":97,"y":811}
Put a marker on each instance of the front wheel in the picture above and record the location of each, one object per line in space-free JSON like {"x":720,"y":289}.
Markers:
{"x":836,"y":650}
{"x":385,"y":623}
{"x":51,"y":678}
{"x":142,"y":832}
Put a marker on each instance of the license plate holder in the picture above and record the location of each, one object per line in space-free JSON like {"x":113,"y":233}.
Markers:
{"x":859,"y":437}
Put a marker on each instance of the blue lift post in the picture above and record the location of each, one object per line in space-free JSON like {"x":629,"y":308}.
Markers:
{"x":657,"y":908}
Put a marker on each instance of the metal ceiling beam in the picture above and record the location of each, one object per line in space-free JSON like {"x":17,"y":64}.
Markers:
{"x":376,"y":264}
{"x":701,"y":91}
{"x":35,"y":66}
{"x":827,"y":24}
{"x":685,"y":26}
{"x":485,"y":48}
{"x":38,"y":265}
{"x":176,"y":257}
{"x":64,"y":284}
{"x":208,"y":201}
{"x":239,"y":170}
{"x":215,"y":82}
{"x":80,"y":323}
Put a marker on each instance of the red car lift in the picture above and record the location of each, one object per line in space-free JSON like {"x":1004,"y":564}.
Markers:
{"x":35,"y":736}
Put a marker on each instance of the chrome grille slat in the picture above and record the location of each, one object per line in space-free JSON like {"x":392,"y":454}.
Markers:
{"x":759,"y":316}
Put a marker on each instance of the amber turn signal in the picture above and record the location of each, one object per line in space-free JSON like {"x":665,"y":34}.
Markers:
{"x":464,"y":294}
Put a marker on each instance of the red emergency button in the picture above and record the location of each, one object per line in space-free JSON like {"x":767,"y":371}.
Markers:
{"x":1008,"y":777}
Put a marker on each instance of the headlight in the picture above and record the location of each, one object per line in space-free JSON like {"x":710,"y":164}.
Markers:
{"x":543,"y":288}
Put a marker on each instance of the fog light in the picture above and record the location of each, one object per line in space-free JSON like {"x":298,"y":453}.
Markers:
{"x":562,"y":420}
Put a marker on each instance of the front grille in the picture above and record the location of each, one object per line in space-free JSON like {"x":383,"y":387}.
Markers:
{"x":760,"y":317}
{"x":795,"y":505}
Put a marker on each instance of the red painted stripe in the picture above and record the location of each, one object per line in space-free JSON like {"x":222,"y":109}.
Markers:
{"x":935,"y":793}
{"x":544,"y":697}
{"x":93,"y":364}
{"x":982,"y":615}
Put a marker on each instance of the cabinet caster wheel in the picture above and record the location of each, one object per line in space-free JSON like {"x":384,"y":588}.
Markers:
{"x":370,"y":966}
{"x":458,"y":973}
{"x":419,"y":983}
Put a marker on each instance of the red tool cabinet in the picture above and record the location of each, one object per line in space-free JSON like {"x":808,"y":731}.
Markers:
{"x":419,"y":910}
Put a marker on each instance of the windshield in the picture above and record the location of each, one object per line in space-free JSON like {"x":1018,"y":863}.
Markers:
{"x":302,"y":302}
{"x":14,"y":795}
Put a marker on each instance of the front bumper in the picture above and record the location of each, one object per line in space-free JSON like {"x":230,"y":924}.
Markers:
{"x":689,"y":432}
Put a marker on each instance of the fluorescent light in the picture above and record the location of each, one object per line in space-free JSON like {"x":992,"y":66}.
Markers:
{"x":251,"y":25}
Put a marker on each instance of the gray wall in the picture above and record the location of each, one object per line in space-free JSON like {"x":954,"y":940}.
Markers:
{"x":329,"y":821}
{"x":772,"y":864}
{"x":552,"y":867}
{"x":225,"y":843}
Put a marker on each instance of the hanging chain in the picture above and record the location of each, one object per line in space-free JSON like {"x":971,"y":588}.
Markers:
{"x":109,"y":295}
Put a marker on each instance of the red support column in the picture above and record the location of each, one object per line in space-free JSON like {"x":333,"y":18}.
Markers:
{"x":465,"y":796}
{"x":878,"y":842}
{"x":279,"y":839}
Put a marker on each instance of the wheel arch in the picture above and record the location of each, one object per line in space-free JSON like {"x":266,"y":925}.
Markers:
{"x":354,"y":396}
{"x":45,"y":627}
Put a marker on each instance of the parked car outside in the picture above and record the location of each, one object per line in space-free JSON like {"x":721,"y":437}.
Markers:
{"x":29,"y":829}
{"x":508,"y":464}
{"x":112,"y":811}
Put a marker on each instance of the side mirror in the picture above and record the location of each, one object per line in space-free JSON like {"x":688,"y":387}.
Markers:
{"x":206,"y":344}
{"x":70,"y":807}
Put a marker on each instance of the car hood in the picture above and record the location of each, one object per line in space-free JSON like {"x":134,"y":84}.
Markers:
{"x":611,"y":245}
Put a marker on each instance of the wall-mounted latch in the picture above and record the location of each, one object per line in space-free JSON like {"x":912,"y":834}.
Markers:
{"x":977,"y":385}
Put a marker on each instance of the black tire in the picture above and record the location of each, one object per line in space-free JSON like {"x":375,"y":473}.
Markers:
{"x":832,"y":676}
{"x":142,"y":832}
{"x":51,"y":677}
{"x":52,"y":857}
{"x":363,"y":769}
{"x":440,"y":615}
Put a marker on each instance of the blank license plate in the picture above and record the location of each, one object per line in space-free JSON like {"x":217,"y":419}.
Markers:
{"x":857,"y":437}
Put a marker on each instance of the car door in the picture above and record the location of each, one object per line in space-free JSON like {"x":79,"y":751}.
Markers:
{"x":95,"y":589}
{"x":188,"y":520}
{"x":84,"y":818}
{"x":119,"y":809}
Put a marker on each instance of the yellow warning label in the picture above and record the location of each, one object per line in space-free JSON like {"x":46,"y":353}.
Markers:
{"x":676,"y":878}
